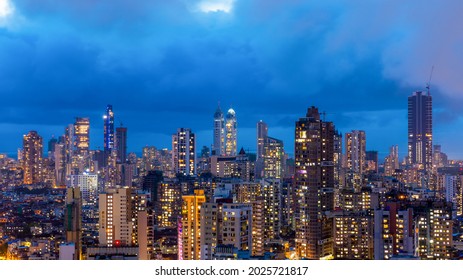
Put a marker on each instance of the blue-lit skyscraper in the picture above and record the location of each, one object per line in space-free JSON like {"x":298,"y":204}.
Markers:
{"x":109,"y":129}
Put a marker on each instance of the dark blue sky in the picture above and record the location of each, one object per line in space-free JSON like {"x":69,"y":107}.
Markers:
{"x":166,"y":64}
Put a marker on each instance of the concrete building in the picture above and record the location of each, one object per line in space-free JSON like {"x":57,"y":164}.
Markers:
{"x":356,"y":151}
{"x":115,"y":217}
{"x":191,"y":225}
{"x":32,"y":158}
{"x":314,"y":180}
{"x":184,"y":152}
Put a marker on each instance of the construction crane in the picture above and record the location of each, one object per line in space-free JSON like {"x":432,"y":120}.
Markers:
{"x":428,"y":84}
{"x":324,"y":113}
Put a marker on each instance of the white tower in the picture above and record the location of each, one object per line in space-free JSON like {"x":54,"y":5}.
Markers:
{"x":218,"y":148}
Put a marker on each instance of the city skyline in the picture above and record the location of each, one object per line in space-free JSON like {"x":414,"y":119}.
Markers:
{"x":174,"y":61}
{"x":97,"y":134}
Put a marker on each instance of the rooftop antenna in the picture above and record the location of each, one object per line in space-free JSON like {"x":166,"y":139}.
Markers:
{"x":428,"y":84}
{"x":324,"y":116}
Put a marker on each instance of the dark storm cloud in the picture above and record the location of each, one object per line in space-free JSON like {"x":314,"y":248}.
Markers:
{"x":164,"y":64}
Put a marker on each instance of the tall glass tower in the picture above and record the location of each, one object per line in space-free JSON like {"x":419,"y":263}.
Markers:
{"x":109,"y":129}
{"x":420,"y":129}
{"x":218,"y":147}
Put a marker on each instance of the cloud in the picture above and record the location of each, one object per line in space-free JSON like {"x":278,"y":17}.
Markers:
{"x":163,"y":65}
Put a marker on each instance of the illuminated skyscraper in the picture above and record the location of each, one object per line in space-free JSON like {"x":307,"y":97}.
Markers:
{"x":252,"y":193}
{"x":314,"y":179}
{"x":109,"y":129}
{"x":356,"y":151}
{"x":230,"y":133}
{"x":168,"y":202}
{"x":184,"y":152}
{"x":218,"y":147}
{"x":420,"y":129}
{"x":191,"y":220}
{"x":82,"y":136}
{"x":273,"y":158}
{"x":32,"y":158}
{"x":121,"y":144}
{"x":271,"y":190}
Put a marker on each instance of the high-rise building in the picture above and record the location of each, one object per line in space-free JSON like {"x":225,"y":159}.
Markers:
{"x":115,"y":216}
{"x":32,"y":158}
{"x":69,"y":143}
{"x":225,"y":223}
{"x":273,"y":158}
{"x":239,"y":166}
{"x":60,"y":164}
{"x":439,"y":159}
{"x":339,"y":178}
{"x":191,"y":221}
{"x":73,"y":220}
{"x":356,"y":151}
{"x":109,"y":129}
{"x":252,"y":193}
{"x":145,"y":234}
{"x":143,"y":224}
{"x":262,"y":134}
{"x":271,"y":190}
{"x":433,"y":230}
{"x":218,"y":148}
{"x":391,"y":162}
{"x":393,"y":231}
{"x":372,"y":161}
{"x":82,"y":136}
{"x":314,"y":179}
{"x":51,"y":147}
{"x":184,"y":152}
{"x":353,"y":235}
{"x":420,"y":129}
{"x":230,"y":133}
{"x":168,"y":203}
{"x":88,"y":185}
{"x":121,"y":144}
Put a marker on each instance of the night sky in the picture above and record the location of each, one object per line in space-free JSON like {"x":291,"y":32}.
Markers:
{"x":165,"y":64}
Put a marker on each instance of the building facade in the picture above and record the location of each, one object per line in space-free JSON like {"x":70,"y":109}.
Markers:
{"x":314,"y":179}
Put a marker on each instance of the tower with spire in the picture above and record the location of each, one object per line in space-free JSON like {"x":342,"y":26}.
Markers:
{"x":230,"y":133}
{"x":218,"y":148}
